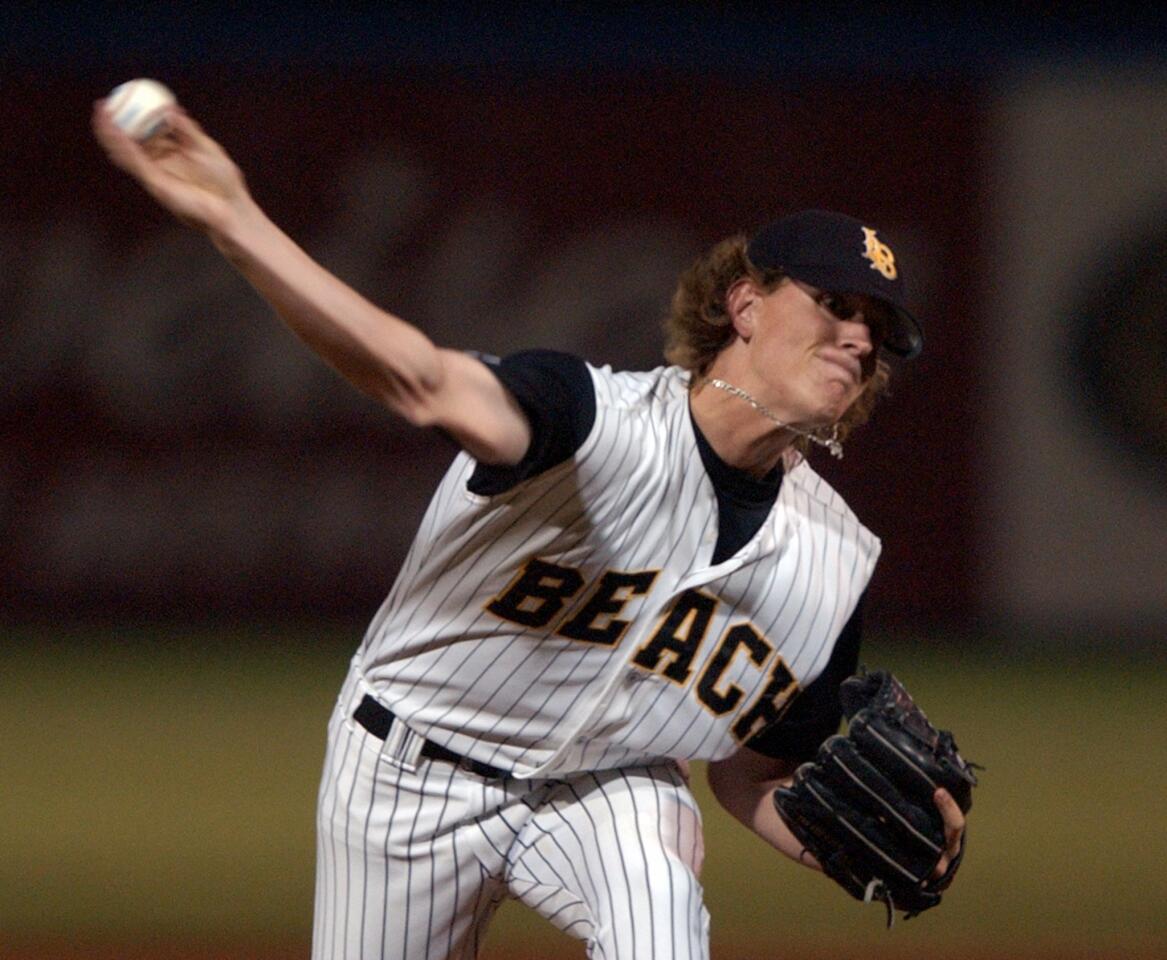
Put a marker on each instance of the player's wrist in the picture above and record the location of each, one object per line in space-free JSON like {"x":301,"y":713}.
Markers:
{"x":238,"y":227}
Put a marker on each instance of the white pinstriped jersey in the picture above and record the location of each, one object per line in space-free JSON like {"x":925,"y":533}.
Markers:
{"x":576,"y":622}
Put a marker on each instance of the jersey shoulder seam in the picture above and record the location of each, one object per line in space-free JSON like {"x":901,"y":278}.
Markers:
{"x":627,"y":389}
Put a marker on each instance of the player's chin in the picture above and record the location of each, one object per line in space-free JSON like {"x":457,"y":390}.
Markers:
{"x":835,"y":400}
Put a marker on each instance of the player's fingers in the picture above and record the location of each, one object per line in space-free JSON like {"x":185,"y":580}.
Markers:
{"x":187,"y":132}
{"x":183,"y":126}
{"x":953,"y":818}
{"x":121,"y":148}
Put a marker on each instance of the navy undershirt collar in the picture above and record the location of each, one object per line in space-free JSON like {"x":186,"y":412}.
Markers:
{"x":743,"y":500}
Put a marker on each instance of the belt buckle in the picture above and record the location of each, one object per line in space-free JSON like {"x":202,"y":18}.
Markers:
{"x":403,"y":747}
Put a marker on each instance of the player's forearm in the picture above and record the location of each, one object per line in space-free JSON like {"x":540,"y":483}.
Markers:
{"x":380,"y":354}
{"x":747,"y":796}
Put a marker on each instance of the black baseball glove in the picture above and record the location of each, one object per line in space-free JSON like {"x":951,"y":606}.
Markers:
{"x":864,"y":808}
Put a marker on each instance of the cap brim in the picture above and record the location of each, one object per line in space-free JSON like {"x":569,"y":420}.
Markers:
{"x":905,"y":339}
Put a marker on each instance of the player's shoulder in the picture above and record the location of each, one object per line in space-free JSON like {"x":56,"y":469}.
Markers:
{"x":633,"y":388}
{"x":802,"y":479}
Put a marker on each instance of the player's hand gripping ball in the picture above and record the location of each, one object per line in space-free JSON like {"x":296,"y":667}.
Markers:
{"x":139,"y":107}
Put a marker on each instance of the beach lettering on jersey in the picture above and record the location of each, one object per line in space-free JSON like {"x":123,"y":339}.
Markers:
{"x":542,"y":591}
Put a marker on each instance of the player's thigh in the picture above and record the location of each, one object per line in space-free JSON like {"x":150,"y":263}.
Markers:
{"x":403,"y":870}
{"x":615,"y":858}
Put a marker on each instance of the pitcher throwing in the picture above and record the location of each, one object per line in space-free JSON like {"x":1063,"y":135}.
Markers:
{"x":619,"y":572}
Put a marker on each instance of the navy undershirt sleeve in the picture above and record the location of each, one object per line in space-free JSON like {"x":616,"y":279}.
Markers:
{"x":556,"y":392}
{"x":817,"y":711}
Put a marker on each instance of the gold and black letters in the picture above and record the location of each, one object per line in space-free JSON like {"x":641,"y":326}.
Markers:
{"x":613,"y":591}
{"x":770,"y":705}
{"x":741,"y":635}
{"x":538,"y":594}
{"x":679,"y":636}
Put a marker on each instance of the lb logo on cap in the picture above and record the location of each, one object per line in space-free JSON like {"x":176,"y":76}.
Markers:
{"x":879,"y":253}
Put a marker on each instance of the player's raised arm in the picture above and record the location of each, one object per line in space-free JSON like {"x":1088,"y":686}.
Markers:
{"x":190,"y":175}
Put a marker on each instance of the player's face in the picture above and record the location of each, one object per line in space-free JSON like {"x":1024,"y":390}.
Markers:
{"x":814,"y":350}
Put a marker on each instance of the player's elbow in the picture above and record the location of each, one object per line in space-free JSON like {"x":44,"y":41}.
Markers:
{"x":726,"y":785}
{"x":745,"y":779}
{"x":413,"y":395}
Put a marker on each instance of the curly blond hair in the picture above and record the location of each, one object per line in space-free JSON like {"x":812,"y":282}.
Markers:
{"x":699,"y":326}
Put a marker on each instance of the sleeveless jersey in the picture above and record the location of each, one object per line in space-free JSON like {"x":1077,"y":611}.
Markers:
{"x":576,"y":622}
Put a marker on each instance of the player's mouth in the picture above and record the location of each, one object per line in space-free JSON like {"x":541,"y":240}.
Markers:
{"x":847,"y":364}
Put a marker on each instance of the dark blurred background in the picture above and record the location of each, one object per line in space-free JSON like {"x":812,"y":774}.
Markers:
{"x":538,"y":175}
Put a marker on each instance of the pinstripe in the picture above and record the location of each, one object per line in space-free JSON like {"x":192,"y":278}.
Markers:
{"x":588,"y":655}
{"x":794,"y":621}
{"x":476,"y":591}
{"x":333,"y":858}
{"x":457,"y":898}
{"x":419,"y":603}
{"x":825,"y":550}
{"x":579,"y":882}
{"x":482,"y":915}
{"x":677,"y":844}
{"x":582,"y":655}
{"x":431,"y":893}
{"x":551,"y":692}
{"x":619,"y":852}
{"x":346,"y":846}
{"x":557,"y":809}
{"x":435,"y":894}
{"x":566,"y":706}
{"x":553,"y":839}
{"x":796,"y":563}
{"x":695,"y":905}
{"x":364,"y":846}
{"x":543,"y":833}
{"x":673,"y":748}
{"x":566,"y":885}
{"x":504,"y":697}
{"x":320,"y":899}
{"x":385,"y":855}
{"x":582,"y":459}
{"x":647,"y":867}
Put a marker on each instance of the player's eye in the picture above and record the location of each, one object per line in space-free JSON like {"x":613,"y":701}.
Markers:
{"x":837,"y":305}
{"x":879,"y":324}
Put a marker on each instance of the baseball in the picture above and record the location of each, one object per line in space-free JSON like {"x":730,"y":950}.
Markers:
{"x":137,"y":106}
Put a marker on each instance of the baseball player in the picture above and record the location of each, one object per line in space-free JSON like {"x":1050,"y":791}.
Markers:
{"x":620,"y":572}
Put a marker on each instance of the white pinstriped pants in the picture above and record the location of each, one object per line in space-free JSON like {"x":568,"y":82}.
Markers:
{"x":412,"y":863}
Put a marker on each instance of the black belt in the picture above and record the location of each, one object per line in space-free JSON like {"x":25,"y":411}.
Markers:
{"x":378,"y":720}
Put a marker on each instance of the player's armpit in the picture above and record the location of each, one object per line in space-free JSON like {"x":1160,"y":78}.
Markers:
{"x":474,"y":408}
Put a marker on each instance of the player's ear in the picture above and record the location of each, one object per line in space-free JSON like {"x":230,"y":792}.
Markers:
{"x":741,"y":303}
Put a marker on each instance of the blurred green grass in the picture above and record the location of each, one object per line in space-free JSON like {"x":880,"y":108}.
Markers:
{"x":159,"y":784}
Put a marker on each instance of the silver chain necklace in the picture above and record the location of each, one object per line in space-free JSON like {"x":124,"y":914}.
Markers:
{"x":832,"y":443}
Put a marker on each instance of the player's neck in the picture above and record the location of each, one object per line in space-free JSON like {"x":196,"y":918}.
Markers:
{"x":739,"y":433}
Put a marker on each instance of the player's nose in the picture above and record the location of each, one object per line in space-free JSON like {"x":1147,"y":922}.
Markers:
{"x":855,"y":336}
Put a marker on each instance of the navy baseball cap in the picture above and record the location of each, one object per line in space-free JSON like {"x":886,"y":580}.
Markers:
{"x":840,"y":254}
